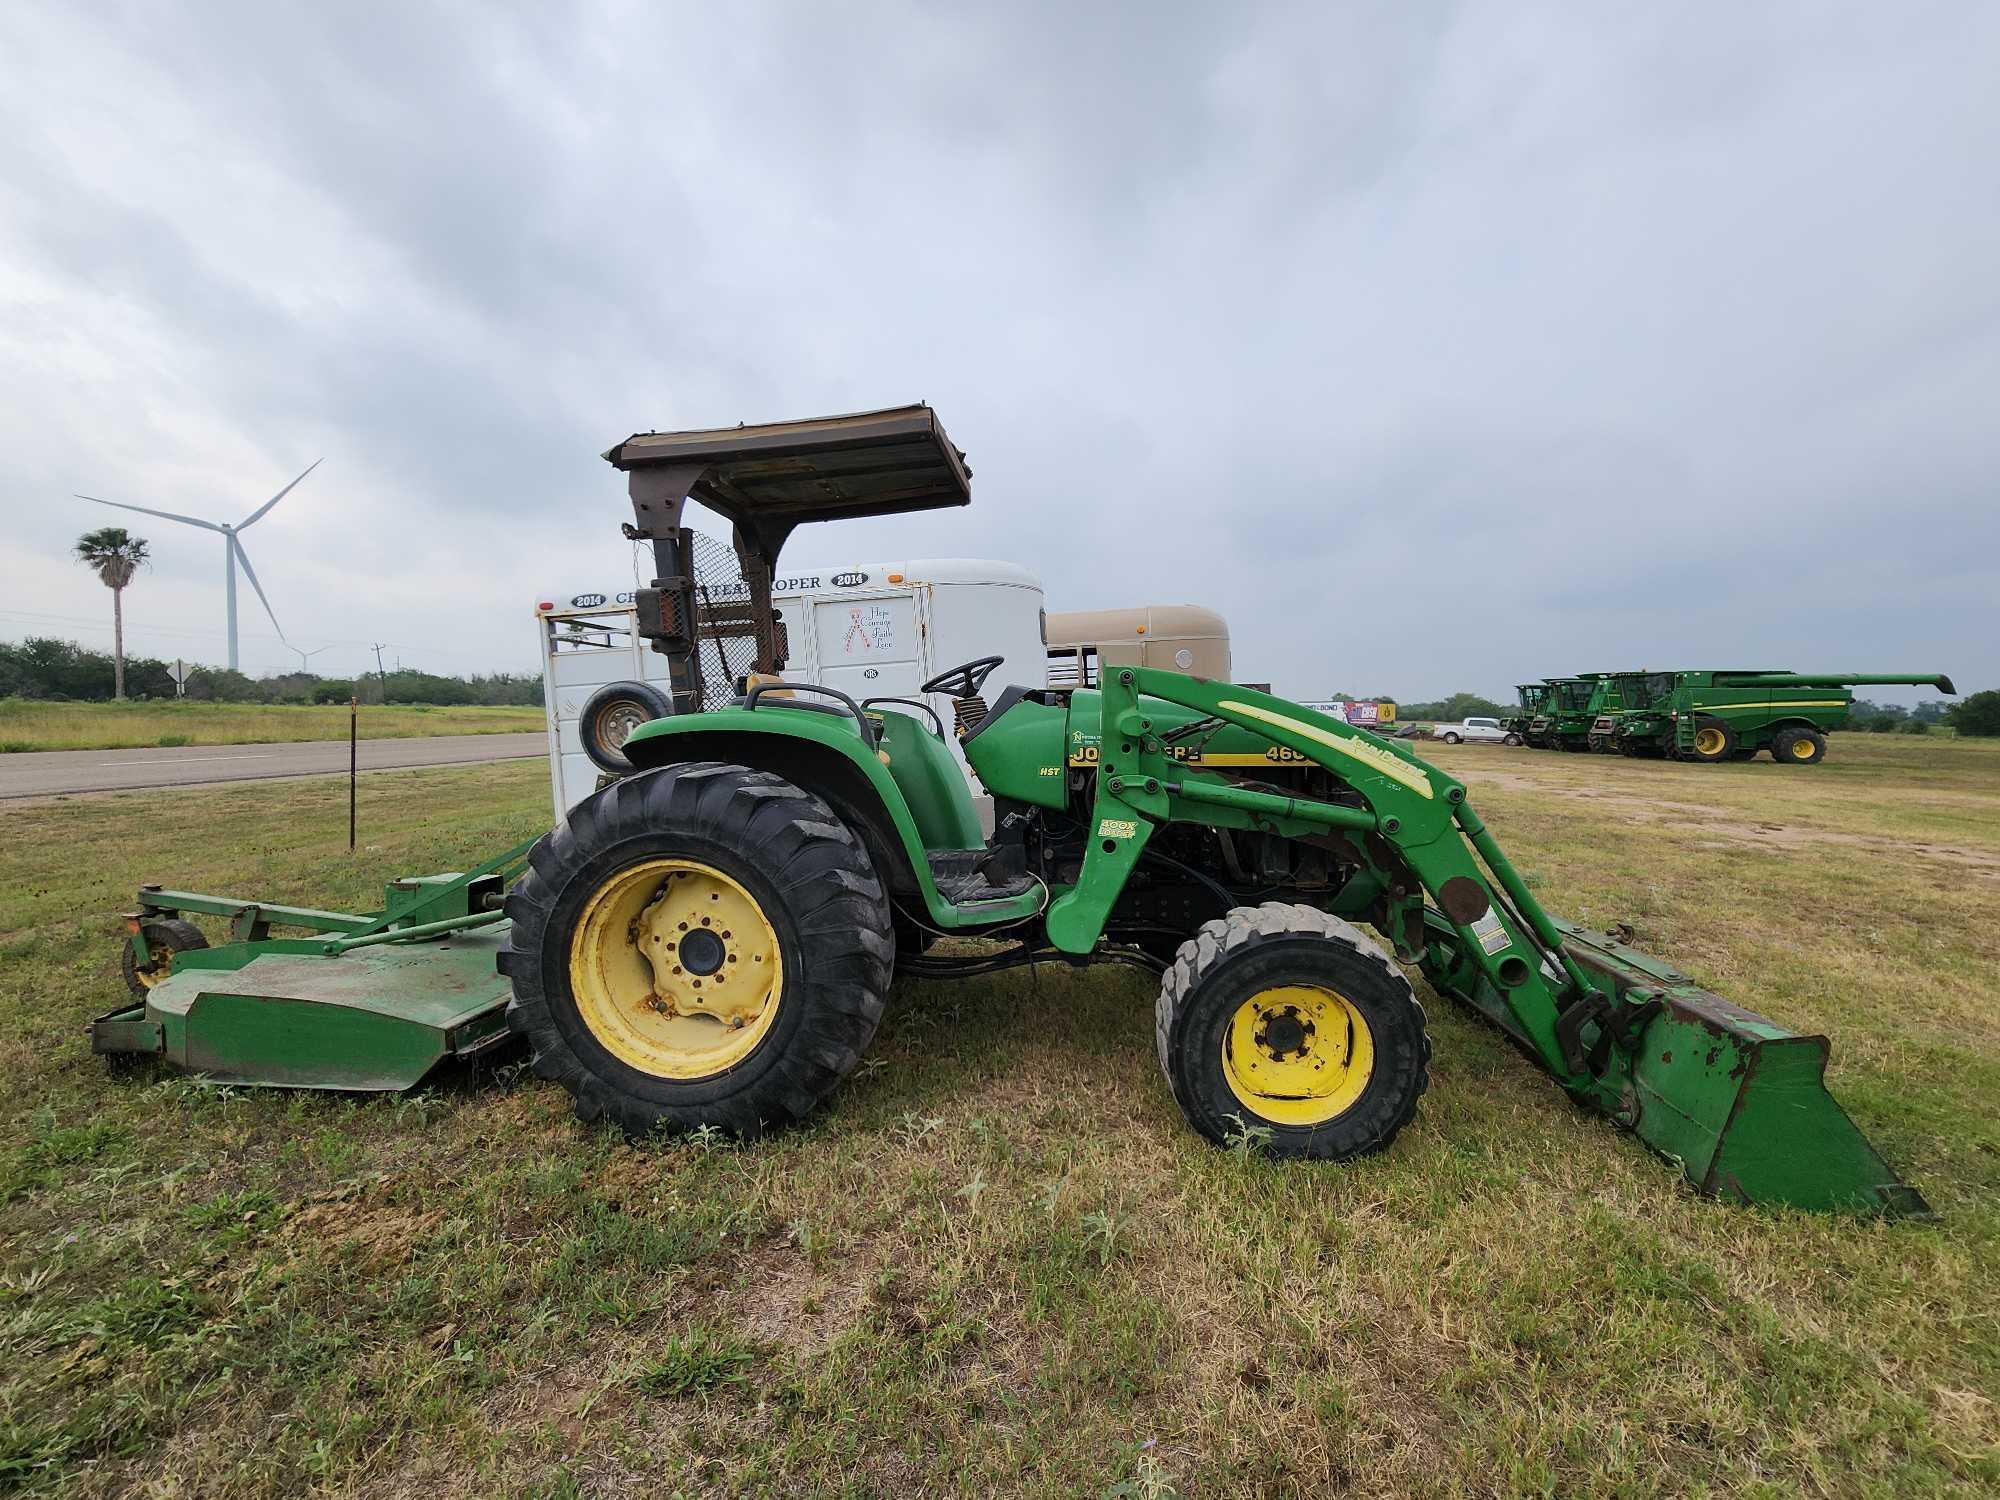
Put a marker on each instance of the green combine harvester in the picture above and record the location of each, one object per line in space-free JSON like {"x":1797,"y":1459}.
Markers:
{"x":1570,"y":710}
{"x":709,"y":941}
{"x":1717,"y":716}
{"x":1532,"y":696}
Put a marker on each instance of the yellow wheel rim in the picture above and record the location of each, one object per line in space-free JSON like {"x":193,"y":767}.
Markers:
{"x":675,"y":969}
{"x":1709,"y":741}
{"x":1803,"y":749}
{"x":1297,"y":1055}
{"x":159,"y":964}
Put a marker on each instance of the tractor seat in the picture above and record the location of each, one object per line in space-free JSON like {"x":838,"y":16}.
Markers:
{"x":779,"y":693}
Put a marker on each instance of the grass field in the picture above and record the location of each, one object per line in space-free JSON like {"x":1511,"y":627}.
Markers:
{"x":28,"y":724}
{"x":998,"y":1262}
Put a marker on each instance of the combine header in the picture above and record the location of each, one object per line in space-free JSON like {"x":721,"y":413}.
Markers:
{"x":709,"y":941}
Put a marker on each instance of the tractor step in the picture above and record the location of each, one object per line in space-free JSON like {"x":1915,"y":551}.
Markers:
{"x":964,"y":877}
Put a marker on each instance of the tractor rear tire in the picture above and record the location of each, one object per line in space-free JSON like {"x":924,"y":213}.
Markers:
{"x":1713,"y":741}
{"x":625,"y":1025}
{"x":1796,"y":745}
{"x":1285,"y":1027}
{"x":165,"y":937}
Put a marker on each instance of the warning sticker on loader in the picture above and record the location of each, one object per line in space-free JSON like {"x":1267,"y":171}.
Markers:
{"x":1492,"y":936}
{"x":1117,"y":828}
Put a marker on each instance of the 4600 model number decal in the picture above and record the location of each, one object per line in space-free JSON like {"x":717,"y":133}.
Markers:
{"x":1087,"y":755}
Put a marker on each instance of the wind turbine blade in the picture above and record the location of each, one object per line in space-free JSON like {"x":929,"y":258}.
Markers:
{"x":251,"y":574}
{"x":258,"y":513}
{"x":165,"y":515}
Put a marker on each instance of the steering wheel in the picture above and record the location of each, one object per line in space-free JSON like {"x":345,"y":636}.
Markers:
{"x":965,"y":681}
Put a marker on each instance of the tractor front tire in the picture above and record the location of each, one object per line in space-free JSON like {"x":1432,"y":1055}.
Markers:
{"x":1798,"y":746}
{"x":1284,"y":1027}
{"x":698,"y":946}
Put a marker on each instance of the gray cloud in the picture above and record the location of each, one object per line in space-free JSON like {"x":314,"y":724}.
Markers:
{"x":1438,"y":346}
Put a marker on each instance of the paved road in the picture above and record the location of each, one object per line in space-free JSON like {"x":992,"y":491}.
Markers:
{"x":49,"y":773}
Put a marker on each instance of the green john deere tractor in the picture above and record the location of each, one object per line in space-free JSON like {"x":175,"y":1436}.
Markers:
{"x":1716,"y":716}
{"x":709,"y":941}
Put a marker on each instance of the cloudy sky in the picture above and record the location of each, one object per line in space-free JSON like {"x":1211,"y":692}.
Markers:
{"x":1438,"y":346}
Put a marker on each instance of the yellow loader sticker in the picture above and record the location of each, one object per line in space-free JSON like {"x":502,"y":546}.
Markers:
{"x":1376,"y":758}
{"x":1193,"y":755}
{"x":1117,"y":828}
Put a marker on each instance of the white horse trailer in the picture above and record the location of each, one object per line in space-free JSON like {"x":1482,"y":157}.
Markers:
{"x":879,"y":631}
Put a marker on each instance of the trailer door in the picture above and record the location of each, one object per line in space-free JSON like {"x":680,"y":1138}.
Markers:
{"x":867,"y":645}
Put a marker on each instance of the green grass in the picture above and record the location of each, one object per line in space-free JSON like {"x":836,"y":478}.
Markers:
{"x":998,"y":1262}
{"x":29,"y":724}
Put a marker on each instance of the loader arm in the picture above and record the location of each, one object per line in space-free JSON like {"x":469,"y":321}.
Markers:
{"x":1738,"y":1102}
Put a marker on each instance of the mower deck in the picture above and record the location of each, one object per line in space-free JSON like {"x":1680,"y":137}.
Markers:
{"x":376,"y":1019}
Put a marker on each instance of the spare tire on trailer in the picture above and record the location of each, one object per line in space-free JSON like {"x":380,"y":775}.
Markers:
{"x":610,"y":716}
{"x":700,"y":945}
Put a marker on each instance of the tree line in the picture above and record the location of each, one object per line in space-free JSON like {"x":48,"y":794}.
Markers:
{"x":57,"y":670}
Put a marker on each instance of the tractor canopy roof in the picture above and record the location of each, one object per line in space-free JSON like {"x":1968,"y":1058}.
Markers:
{"x":769,"y":477}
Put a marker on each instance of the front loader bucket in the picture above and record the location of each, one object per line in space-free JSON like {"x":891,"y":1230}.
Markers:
{"x":1736,"y":1101}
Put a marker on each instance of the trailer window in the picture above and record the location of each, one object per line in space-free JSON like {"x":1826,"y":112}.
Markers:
{"x":1073,"y":667}
{"x":589,"y":633}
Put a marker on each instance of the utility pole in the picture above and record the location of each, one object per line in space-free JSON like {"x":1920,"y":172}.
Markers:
{"x":381,"y":676}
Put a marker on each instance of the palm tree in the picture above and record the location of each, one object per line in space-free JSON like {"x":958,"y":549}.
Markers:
{"x":115,"y":554}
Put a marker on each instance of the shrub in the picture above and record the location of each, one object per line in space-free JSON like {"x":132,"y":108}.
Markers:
{"x":1979,"y":714}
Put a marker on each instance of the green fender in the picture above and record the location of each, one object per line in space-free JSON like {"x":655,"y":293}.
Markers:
{"x":824,"y":754}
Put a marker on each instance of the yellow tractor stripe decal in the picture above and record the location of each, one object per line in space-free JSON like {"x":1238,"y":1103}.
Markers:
{"x":1744,"y":708}
{"x":1285,"y":757}
{"x":1386,"y":762}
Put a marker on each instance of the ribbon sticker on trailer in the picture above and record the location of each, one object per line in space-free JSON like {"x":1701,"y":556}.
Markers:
{"x":870,"y":627}
{"x":1492,"y":936}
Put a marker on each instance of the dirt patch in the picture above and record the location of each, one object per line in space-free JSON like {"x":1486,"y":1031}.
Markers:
{"x":1779,"y":836}
{"x":360,"y":1225}
{"x":785,"y":1303}
{"x":1725,"y":832}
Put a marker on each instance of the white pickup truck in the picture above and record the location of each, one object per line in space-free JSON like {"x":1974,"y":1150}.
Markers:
{"x":1486,"y":731}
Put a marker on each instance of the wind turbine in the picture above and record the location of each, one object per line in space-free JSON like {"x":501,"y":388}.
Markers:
{"x":232,"y":550}
{"x":305,"y":657}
